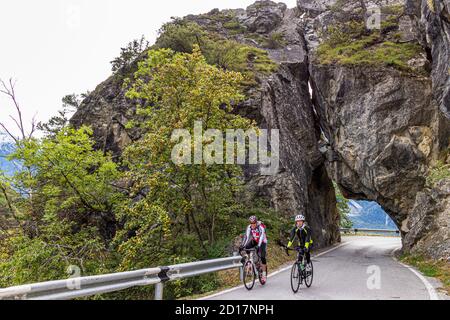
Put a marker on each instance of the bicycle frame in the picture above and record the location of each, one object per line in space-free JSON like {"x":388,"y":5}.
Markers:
{"x":250,"y":256}
{"x":301,"y":253}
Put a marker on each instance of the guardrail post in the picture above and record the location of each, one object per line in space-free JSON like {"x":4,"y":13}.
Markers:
{"x":241,"y":269}
{"x":159,"y":289}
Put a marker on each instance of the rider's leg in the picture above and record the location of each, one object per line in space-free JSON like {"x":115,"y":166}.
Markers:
{"x":308,"y":256}
{"x":263,"y":258}
{"x":250,"y":245}
{"x":300,"y":257}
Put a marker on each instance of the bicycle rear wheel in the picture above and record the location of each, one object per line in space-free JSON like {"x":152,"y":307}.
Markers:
{"x":249,"y":275}
{"x":309,"y":274}
{"x":295,"y":278}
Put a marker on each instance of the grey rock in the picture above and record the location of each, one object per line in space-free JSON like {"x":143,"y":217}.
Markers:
{"x":315,"y":7}
{"x":107,"y":111}
{"x":436,"y":21}
{"x":384,"y":130}
{"x":429,"y":223}
{"x":264,"y":16}
{"x":374,"y":130}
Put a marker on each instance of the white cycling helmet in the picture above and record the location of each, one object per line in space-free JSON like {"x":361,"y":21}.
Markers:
{"x":300,"y":218}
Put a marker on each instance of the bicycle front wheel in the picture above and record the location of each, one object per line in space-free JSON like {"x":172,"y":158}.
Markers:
{"x":295,"y":278}
{"x":249,"y":275}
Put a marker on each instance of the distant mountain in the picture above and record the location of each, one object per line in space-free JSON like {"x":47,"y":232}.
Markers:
{"x":370,"y":215}
{"x":6,"y":148}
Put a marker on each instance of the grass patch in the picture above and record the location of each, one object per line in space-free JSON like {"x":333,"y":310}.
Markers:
{"x":351,"y":44}
{"x":397,"y":9}
{"x":369,"y":50}
{"x":430,"y":268}
{"x":234,"y":27}
{"x":274,"y":41}
{"x":441,"y":170}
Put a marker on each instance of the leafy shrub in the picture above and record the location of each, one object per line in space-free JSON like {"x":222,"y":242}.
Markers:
{"x":182,"y":36}
{"x":234,"y":27}
{"x":129,"y":54}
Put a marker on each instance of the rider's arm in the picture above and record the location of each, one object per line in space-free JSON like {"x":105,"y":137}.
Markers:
{"x":262,"y":236}
{"x":292,"y":237}
{"x":247,"y":237}
{"x":308,"y":237}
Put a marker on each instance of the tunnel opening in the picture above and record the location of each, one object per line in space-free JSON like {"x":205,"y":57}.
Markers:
{"x":369,"y":215}
{"x":363,"y":216}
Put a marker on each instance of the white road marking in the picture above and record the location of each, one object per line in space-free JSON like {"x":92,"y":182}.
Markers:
{"x":274,"y":273}
{"x":431,"y":290}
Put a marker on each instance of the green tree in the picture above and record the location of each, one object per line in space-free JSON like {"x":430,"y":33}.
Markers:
{"x":129,"y":54}
{"x":185,"y":207}
{"x":64,"y":208}
{"x":70,"y":104}
{"x":343,"y":208}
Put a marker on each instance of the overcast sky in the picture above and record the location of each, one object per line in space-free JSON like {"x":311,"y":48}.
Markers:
{"x":58,"y":47}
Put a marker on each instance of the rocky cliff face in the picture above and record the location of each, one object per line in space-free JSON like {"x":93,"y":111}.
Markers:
{"x":374,"y":124}
{"x":435,"y":20}
{"x":383,"y":126}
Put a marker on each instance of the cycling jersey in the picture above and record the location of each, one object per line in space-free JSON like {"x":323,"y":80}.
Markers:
{"x":262,"y":249}
{"x":258,"y":235}
{"x":303,"y":235}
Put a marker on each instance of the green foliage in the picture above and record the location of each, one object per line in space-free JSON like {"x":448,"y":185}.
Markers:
{"x":438,"y":173}
{"x":129,"y":54}
{"x":182,"y":36}
{"x":186,"y":212}
{"x":231,"y":55}
{"x":64,"y":191}
{"x":234,"y":27}
{"x":351,"y":44}
{"x":396,"y":10}
{"x":274,"y":41}
{"x":48,"y":256}
{"x":66,"y":175}
{"x":430,"y":268}
{"x":343,"y":208}
{"x":70,"y":104}
{"x":71,"y":205}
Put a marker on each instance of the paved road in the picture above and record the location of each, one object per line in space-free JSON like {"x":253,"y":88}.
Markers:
{"x":343,"y":274}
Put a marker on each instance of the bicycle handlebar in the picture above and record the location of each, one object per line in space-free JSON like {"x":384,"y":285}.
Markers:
{"x":252,"y":249}
{"x":287,"y":249}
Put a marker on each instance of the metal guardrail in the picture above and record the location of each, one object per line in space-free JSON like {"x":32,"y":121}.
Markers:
{"x":88,"y":286}
{"x":356,"y":230}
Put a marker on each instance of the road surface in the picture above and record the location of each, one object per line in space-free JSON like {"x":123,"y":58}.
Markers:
{"x":361,"y":268}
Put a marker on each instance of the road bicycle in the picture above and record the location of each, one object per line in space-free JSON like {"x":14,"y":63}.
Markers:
{"x":252,"y":268}
{"x":301,"y":272}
